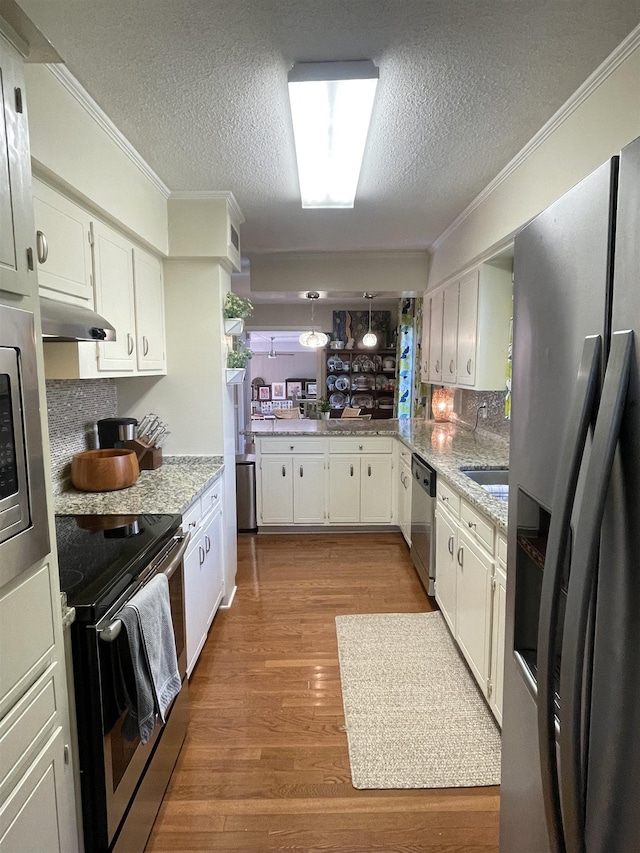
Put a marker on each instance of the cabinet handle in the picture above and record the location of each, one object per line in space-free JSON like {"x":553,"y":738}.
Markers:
{"x":451,"y":545}
{"x":301,"y":474}
{"x":438,"y":366}
{"x":351,"y":471}
{"x":145,"y":345}
{"x":452,"y":366}
{"x":359,"y":447}
{"x":445,"y":500}
{"x":207,"y":544}
{"x":460,"y":556}
{"x":291,"y":447}
{"x":42,"y":247}
{"x":402,"y":477}
{"x":201,"y":553}
{"x":469,"y":367}
{"x":472,"y":525}
{"x":129,"y":343}
{"x":284,"y":473}
{"x":369,"y":472}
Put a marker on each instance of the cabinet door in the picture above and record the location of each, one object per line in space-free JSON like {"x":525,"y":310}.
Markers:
{"x":276,"y":490}
{"x":404,"y":502}
{"x":498,"y":617}
{"x":446,"y":573}
{"x":344,"y":489}
{"x":65,"y":274}
{"x":473,"y":604}
{"x":435,"y":338}
{"x":39,"y":815}
{"x":16,"y":225}
{"x":308,"y":490}
{"x":450,"y":334}
{"x":467,"y":328}
{"x":149,"y":309}
{"x":114,"y":298}
{"x":376,"y":489}
{"x":212,"y":568}
{"x":195,"y":601}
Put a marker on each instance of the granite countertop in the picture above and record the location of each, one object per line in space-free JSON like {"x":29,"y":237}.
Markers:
{"x":445,"y":446}
{"x":169,"y":489}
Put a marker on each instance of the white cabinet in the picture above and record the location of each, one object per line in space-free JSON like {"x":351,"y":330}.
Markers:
{"x":113,"y":257}
{"x":344,"y":489}
{"x":63,"y":247}
{"x":361,"y":480}
{"x":404,"y":493}
{"x":473,"y":605}
{"x":16,"y":230}
{"x":498,"y":619}
{"x":446,"y":573}
{"x":292,"y":489}
{"x":149,"y":312}
{"x":376,"y":489}
{"x":469,"y":329}
{"x":203,"y":568}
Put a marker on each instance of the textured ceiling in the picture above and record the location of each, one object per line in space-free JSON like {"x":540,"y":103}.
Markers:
{"x":199,"y":88}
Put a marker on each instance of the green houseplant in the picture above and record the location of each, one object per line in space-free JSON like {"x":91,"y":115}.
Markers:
{"x":234,"y":311}
{"x":238,"y":358}
{"x":325,"y":408}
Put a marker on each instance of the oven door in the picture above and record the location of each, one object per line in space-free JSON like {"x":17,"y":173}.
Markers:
{"x":125,"y":760}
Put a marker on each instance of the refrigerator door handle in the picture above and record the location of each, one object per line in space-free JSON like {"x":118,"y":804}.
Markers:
{"x":584,"y":404}
{"x":581,"y":581}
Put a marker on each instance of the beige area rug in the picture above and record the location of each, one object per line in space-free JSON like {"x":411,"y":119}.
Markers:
{"x":414,"y":715}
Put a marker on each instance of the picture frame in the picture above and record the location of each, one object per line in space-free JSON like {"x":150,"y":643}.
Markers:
{"x":278,"y":390}
{"x":294,"y":386}
{"x":311,"y":389}
{"x":264,"y":392}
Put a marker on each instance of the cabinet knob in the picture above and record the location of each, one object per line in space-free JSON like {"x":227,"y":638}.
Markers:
{"x":472,"y":525}
{"x":42,"y":247}
{"x":291,"y":446}
{"x":359,"y":447}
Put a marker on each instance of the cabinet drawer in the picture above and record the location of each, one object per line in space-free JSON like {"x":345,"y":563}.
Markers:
{"x":502,"y":550}
{"x":292,"y":444}
{"x":24,"y":727}
{"x":477,"y":525}
{"x":447,"y":496}
{"x":364,"y":444}
{"x":404,"y":454}
{"x":211,"y":497}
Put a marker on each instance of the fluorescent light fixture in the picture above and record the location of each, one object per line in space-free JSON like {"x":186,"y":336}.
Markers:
{"x":331,"y":104}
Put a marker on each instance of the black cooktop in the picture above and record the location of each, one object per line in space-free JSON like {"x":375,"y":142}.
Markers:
{"x":100,"y":555}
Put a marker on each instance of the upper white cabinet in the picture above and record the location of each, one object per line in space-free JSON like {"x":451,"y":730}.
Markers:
{"x":149,"y":312}
{"x":469,"y":329}
{"x":16,"y":233}
{"x":86,"y":262}
{"x":63,"y":245}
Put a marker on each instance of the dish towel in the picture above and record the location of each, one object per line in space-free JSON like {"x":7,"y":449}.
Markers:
{"x":147,"y":621}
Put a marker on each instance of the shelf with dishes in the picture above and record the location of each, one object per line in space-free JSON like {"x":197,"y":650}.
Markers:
{"x":364,"y":380}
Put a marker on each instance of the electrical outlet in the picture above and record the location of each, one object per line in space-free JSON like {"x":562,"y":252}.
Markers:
{"x":483,"y":410}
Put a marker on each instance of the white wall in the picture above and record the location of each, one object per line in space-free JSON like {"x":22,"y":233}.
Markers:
{"x":296,"y":315}
{"x":597,"y":122}
{"x":81,"y":153}
{"x":302,"y":365}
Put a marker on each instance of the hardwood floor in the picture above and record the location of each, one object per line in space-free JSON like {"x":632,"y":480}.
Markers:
{"x":265,"y":765}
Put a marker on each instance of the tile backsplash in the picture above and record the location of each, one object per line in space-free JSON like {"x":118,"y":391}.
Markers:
{"x":494,"y":423}
{"x":73,"y":407}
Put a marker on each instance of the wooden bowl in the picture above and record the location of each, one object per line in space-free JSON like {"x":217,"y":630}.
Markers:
{"x":104,"y":470}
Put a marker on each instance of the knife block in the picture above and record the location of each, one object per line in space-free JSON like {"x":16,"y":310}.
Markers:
{"x":149,"y":458}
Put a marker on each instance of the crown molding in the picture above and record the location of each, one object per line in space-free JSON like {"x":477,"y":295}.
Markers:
{"x":66,"y":78}
{"x":611,"y":63}
{"x":203,"y":195}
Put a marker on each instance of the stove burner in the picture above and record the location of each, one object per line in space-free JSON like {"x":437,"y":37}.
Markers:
{"x":70,"y":578}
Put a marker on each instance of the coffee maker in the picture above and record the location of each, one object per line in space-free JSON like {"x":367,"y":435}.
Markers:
{"x":114,"y":432}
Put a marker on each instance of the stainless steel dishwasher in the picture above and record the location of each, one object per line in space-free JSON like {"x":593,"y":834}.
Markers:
{"x":423,"y":505}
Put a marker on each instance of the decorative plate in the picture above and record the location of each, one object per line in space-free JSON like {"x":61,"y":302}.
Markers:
{"x":338,"y":400}
{"x":363,"y":383}
{"x":342,"y":383}
{"x":331,"y":382}
{"x":364,"y":401}
{"x":334,"y":363}
{"x":385,"y":403}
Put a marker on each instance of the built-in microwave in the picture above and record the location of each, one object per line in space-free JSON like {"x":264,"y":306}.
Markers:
{"x":24,"y":530}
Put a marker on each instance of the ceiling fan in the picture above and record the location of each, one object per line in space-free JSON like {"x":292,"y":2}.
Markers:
{"x":272,"y":349}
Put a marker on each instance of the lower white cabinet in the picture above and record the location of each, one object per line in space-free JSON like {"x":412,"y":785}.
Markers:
{"x":360,"y":489}
{"x":292,"y":489}
{"x":471,"y":588}
{"x":446,"y":574}
{"x":404,"y":500}
{"x":203,"y":569}
{"x":38,"y":815}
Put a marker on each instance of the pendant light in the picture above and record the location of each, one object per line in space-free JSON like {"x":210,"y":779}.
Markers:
{"x":370,"y":339}
{"x":313,"y":339}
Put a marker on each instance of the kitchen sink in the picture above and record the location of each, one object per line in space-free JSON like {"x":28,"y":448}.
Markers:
{"x":488,"y":476}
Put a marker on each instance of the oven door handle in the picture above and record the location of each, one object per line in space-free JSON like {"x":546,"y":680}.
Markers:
{"x":109,"y":634}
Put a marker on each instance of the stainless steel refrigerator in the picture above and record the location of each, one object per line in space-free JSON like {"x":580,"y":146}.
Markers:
{"x":571,"y":726}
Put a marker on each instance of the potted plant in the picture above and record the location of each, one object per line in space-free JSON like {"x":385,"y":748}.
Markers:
{"x":236,"y":364}
{"x":325,"y":409}
{"x":234,"y":311}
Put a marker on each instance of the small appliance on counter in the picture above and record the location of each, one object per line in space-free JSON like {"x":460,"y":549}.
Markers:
{"x":113,"y":432}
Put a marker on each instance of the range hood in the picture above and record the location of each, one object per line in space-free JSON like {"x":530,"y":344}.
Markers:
{"x":63,"y":322}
